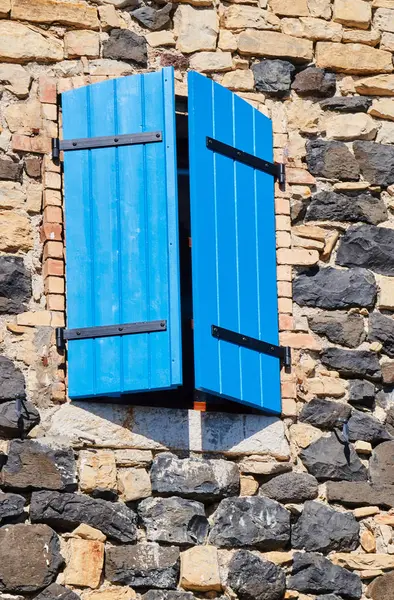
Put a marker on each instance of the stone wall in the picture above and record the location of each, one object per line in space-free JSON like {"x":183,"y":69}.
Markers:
{"x":113,"y":502}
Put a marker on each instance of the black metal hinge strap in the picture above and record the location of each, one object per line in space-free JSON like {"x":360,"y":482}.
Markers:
{"x":277,"y":170}
{"x":281,"y":352}
{"x":85,"y":333}
{"x":107,"y":141}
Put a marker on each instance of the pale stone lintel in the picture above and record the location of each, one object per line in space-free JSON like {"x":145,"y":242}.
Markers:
{"x":115,"y":426}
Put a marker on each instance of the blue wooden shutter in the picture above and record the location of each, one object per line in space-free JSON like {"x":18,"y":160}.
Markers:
{"x":233,"y":247}
{"x":122,"y":261}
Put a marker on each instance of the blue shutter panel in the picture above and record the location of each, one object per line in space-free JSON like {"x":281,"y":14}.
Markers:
{"x":233,"y":249}
{"x":122,"y":261}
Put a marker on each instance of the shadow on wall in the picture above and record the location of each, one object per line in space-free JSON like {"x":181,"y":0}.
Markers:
{"x":119,"y":426}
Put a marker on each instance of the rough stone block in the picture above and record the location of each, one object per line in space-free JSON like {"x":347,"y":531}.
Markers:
{"x":299,"y":8}
{"x":82,"y":43}
{"x":143,"y":565}
{"x":20,"y":43}
{"x":84,"y":563}
{"x":67,"y":511}
{"x":134,"y":484}
{"x":41,"y":544}
{"x":196,"y":29}
{"x":200,"y":569}
{"x":353,"y":13}
{"x":352,"y":58}
{"x":376,"y":255}
{"x":97,"y":472}
{"x":125,"y":45}
{"x":274,"y":45}
{"x":253,"y":578}
{"x":325,"y":459}
{"x":75,"y":14}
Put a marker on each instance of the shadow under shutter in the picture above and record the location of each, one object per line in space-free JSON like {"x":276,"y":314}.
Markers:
{"x":121,"y":217}
{"x":233,"y":247}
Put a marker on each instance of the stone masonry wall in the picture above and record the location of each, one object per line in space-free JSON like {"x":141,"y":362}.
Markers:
{"x":114,"y":502}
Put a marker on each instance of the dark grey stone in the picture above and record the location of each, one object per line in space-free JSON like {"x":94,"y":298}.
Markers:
{"x":340,"y":328}
{"x":330,"y":458}
{"x":13,"y":425}
{"x":367,"y":246}
{"x":320,"y":528}
{"x":250,"y":521}
{"x":57,"y":592}
{"x":381,"y":329}
{"x":273,"y":76}
{"x":15,"y":285}
{"x":390,"y":420}
{"x":290,"y":487}
{"x":332,"y":160}
{"x":347,"y":104}
{"x":194,"y":477}
{"x":328,"y":597}
{"x":253,"y":578}
{"x":153,"y":18}
{"x":167,"y":595}
{"x":125,"y":45}
{"x":325,"y":413}
{"x":32,"y":466}
{"x":11,"y":505}
{"x":367,"y":428}
{"x":33,"y":166}
{"x":330,"y":206}
{"x":143,"y":565}
{"x":29,"y":558}
{"x":174,"y":520}
{"x":315,"y":574}
{"x":360,"y":493}
{"x":12,"y":382}
{"x":335,"y":288}
{"x":381,"y":464}
{"x":376,"y":162}
{"x":67,"y":511}
{"x":352,"y":363}
{"x":9,"y":169}
{"x":314,"y":82}
{"x":361,"y":392}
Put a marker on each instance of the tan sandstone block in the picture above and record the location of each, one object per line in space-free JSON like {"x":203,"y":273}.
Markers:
{"x":303,"y":115}
{"x":387,"y":42}
{"x":310,"y":231}
{"x":351,"y":127}
{"x":209,"y":62}
{"x":19,"y":43}
{"x":55,"y":11}
{"x":15,"y":232}
{"x":353,"y":13}
{"x":290,"y":8}
{"x":320,"y":8}
{"x":363,"y":561}
{"x":386,"y":292}
{"x":5,"y":7}
{"x":108,"y":17}
{"x":382,"y":3}
{"x":299,"y":177}
{"x":240,"y":17}
{"x":196,"y":29}
{"x":275,"y":45}
{"x":352,"y":58}
{"x":381,"y":85}
{"x":227,"y":40}
{"x":39,"y":318}
{"x":248,"y":485}
{"x":241,"y":80}
{"x":303,"y":341}
{"x":97,"y":471}
{"x":366,"y":511}
{"x":200,"y":569}
{"x":133,"y":458}
{"x":384,"y":19}
{"x":115,"y":592}
{"x":355,"y":36}
{"x":326,"y":386}
{"x":86,"y":532}
{"x":15,"y":79}
{"x":298,"y":256}
{"x":134,"y":484}
{"x":368,"y":542}
{"x":304,"y":435}
{"x":363,"y":447}
{"x":384,"y":109}
{"x":385,"y":520}
{"x":263,"y":465}
{"x":313,"y":29}
{"x":84,"y":563}
{"x":160,"y":38}
{"x":82,"y":43}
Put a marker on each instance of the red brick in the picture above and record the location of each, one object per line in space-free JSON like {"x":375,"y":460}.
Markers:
{"x":286,"y":323}
{"x":51,"y":231}
{"x":284,"y":289}
{"x":53,"y":267}
{"x":47,"y":89}
{"x":53,"y":214}
{"x":39,"y":144}
{"x":52,"y":198}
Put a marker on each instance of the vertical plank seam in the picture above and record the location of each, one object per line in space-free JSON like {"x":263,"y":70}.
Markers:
{"x":89,"y":109}
{"x":147,"y":230}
